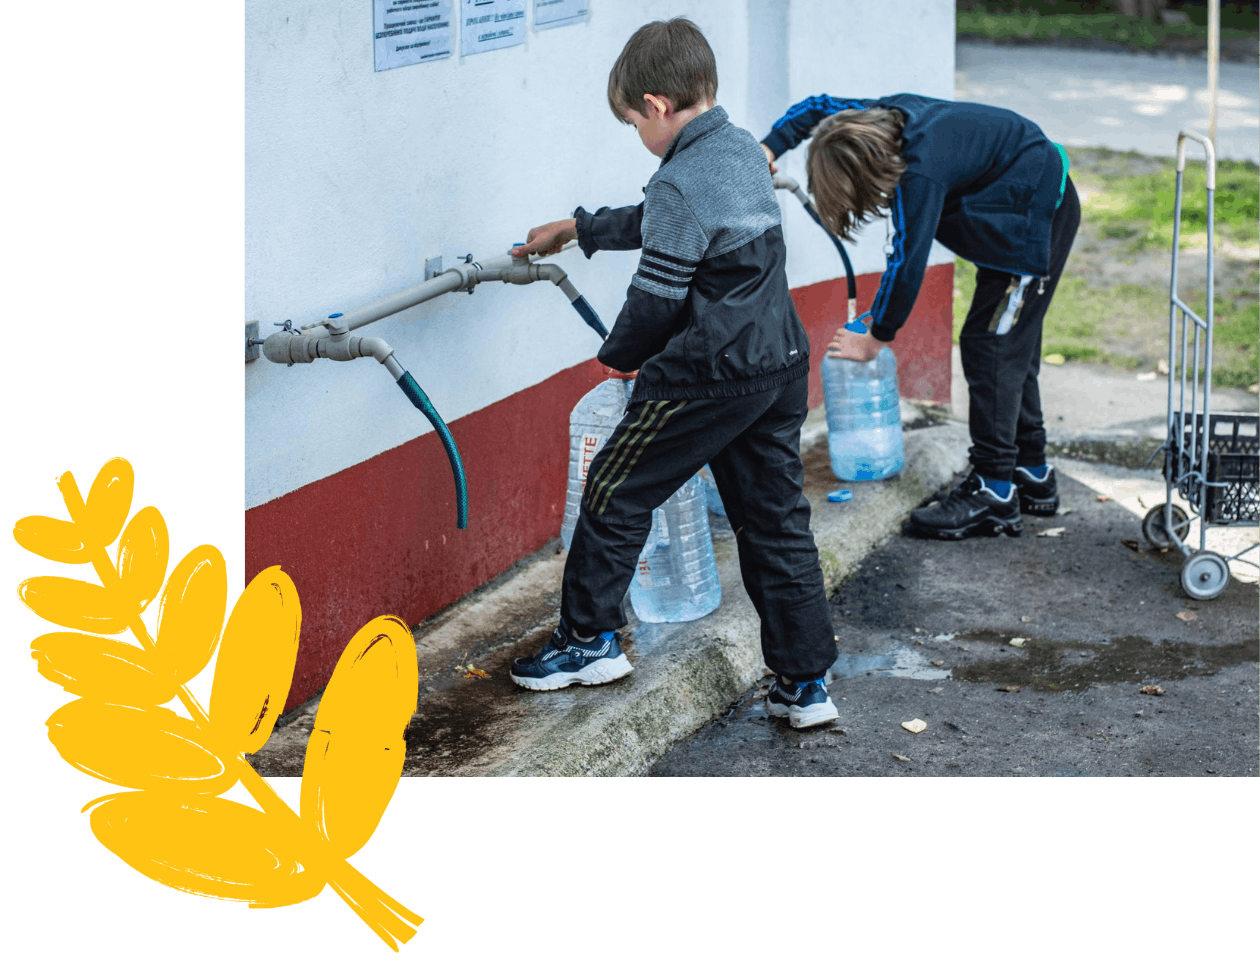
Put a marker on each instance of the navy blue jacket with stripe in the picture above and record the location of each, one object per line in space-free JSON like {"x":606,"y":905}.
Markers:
{"x":983,"y":181}
{"x":708,"y":313}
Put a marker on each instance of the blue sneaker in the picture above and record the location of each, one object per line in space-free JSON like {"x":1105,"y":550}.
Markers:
{"x":564,"y":661}
{"x":804,"y":704}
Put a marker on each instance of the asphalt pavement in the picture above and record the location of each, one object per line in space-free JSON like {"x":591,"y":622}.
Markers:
{"x":1123,"y":101}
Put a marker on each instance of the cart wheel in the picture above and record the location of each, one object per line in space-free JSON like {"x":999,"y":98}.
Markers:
{"x":1153,"y":526}
{"x":1204,"y":575}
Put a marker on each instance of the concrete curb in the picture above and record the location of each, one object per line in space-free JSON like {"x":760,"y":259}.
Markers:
{"x":684,"y":675}
{"x":711,"y":662}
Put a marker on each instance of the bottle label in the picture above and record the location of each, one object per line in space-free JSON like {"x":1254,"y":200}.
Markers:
{"x":644,"y":575}
{"x":590,"y":445}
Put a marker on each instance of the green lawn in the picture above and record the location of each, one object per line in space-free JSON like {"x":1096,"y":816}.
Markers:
{"x":1048,"y":21}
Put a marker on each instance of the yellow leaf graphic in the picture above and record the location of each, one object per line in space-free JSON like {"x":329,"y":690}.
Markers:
{"x":143,"y":552}
{"x":108,"y":502}
{"x":54,"y":539}
{"x":142,"y":748}
{"x":74,"y":604}
{"x":102,"y":669}
{"x":206,"y":846}
{"x":356,"y":751}
{"x":256,"y":660}
{"x":191,"y":611}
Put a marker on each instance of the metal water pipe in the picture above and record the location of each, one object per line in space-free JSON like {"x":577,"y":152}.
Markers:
{"x":331,"y":338}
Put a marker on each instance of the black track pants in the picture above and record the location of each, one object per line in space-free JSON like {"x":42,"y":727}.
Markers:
{"x":752,"y":444}
{"x":1001,"y":369}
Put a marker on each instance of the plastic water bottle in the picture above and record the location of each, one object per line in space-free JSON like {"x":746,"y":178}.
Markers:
{"x":863,"y":417}
{"x":591,"y":424}
{"x":676,"y":579}
{"x":711,"y":493}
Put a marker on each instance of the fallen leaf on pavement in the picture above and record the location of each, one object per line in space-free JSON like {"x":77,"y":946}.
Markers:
{"x":1012,"y":688}
{"x":1103,"y":498}
{"x":914,"y":726}
{"x":1186,"y":615}
{"x":1054,"y":359}
{"x":1152,"y":691}
{"x":938,"y":662}
{"x":474,"y":673}
{"x":903,"y":759}
{"x":1018,"y":641}
{"x":1131,"y":544}
{"x":1052,"y":533}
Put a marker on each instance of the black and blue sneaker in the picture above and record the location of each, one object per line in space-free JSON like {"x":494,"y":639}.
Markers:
{"x":565,"y":660}
{"x":1038,"y":490}
{"x":804,"y":704}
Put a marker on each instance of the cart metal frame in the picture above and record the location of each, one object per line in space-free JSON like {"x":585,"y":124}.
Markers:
{"x":1192,"y":458}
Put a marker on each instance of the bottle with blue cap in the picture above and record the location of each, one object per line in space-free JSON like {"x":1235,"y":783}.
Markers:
{"x":863,"y":413}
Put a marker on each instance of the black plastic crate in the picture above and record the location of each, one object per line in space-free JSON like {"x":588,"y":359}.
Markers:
{"x":1233,"y":459}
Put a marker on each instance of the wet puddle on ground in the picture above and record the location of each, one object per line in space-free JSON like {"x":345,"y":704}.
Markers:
{"x":901,"y":661}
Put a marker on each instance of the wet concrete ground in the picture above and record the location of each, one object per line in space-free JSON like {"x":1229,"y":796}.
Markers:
{"x":926,"y":632}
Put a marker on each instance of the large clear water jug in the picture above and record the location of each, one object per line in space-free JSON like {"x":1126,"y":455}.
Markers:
{"x":591,"y":424}
{"x":863,"y":417}
{"x":677,"y":579}
{"x":711,"y":496}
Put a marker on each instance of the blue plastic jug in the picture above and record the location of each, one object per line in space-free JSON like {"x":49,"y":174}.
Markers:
{"x":863,"y":417}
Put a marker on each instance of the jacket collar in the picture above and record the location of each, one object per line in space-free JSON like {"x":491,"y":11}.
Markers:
{"x":698,"y":127}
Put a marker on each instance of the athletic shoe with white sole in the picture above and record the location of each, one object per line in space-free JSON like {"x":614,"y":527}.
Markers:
{"x":972,"y":509}
{"x":804,"y":704}
{"x":1037,"y":496}
{"x":564,"y":661}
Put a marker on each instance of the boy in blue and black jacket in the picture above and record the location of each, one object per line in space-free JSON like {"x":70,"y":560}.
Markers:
{"x":990,"y":186}
{"x":722,"y":362}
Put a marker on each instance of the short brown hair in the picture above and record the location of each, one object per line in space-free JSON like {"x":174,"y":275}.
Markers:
{"x":854,"y":165}
{"x":667,"y":58}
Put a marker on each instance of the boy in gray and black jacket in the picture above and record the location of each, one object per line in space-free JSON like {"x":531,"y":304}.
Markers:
{"x":722,"y":363}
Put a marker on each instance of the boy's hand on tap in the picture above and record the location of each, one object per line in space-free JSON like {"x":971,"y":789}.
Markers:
{"x":547,"y":239}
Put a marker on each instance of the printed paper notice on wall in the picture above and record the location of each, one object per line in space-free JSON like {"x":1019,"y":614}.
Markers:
{"x":560,"y":13}
{"x":410,"y":31}
{"x":490,"y":25}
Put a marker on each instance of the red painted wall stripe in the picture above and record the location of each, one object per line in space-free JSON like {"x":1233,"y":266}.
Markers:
{"x":380,"y":537}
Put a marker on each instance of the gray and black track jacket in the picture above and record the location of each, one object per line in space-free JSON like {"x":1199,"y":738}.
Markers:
{"x":708,"y":313}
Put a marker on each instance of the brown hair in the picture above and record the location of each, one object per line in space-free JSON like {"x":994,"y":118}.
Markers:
{"x":667,"y":58}
{"x":854,"y":165}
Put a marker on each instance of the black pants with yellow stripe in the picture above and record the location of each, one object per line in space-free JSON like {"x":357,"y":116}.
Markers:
{"x":752,"y":444}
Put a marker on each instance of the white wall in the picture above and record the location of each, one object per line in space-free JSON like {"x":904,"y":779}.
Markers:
{"x":353,"y":178}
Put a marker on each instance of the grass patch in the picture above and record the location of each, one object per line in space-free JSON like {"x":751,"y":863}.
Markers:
{"x":1126,"y":325}
{"x":1043,"y":21}
{"x":1140,"y":206}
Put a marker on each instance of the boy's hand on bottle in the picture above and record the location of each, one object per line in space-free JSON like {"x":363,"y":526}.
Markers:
{"x":547,"y":239}
{"x":848,"y":344}
{"x":770,"y":159}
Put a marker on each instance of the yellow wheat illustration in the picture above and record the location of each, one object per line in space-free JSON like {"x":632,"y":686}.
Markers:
{"x":172,"y":826}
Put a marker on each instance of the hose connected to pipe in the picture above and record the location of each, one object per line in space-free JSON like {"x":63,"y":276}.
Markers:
{"x":330,"y":338}
{"x":784,"y":183}
{"x":421,"y":401}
